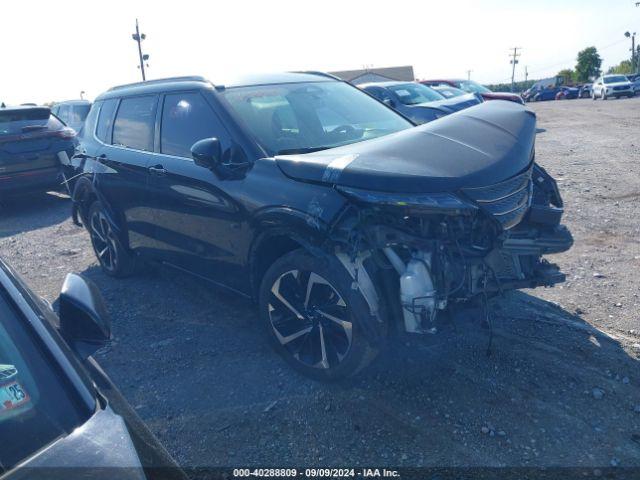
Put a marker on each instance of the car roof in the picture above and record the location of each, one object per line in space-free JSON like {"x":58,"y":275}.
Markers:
{"x":72,"y":102}
{"x":191,"y":82}
{"x":22,"y":108}
{"x":385,"y":84}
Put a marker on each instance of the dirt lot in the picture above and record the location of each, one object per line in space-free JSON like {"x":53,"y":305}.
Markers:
{"x":562,"y":387}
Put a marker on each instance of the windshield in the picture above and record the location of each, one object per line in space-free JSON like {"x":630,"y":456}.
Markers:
{"x":36,"y":403}
{"x":616,"y":79}
{"x":415,"y":93}
{"x":473,"y":87}
{"x":304,"y":117}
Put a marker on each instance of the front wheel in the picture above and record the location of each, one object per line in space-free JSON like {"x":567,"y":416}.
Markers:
{"x":314,"y":318}
{"x":114,"y":259}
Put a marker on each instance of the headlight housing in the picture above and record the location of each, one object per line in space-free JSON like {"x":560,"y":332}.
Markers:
{"x":435,"y":203}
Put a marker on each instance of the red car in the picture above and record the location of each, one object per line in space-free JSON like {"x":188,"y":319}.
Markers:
{"x":474,"y":87}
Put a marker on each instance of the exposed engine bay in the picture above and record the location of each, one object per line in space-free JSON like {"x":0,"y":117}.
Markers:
{"x":439,"y":250}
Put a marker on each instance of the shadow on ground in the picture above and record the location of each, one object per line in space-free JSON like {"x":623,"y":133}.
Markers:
{"x":30,"y":212}
{"x":193,"y":362}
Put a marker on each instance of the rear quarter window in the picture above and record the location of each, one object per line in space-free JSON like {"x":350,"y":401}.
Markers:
{"x":134,"y":123}
{"x":105,"y":120}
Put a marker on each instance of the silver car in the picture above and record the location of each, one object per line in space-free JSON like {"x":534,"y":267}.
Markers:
{"x":612,"y":86}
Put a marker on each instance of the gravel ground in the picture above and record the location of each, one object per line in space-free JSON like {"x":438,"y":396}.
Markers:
{"x":562,"y":387}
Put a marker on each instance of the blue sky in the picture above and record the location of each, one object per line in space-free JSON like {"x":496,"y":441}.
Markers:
{"x":53,"y":50}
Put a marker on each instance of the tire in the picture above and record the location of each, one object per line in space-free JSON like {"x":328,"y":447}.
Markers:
{"x":313,"y":317}
{"x":603,"y":94}
{"x":114,"y":259}
{"x":593,"y":95}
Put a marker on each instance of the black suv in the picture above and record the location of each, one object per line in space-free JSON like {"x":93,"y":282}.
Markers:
{"x":341,"y":218}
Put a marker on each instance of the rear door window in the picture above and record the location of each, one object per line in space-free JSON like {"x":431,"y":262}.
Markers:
{"x":187,"y":118}
{"x":105,"y":120}
{"x":134,"y":123}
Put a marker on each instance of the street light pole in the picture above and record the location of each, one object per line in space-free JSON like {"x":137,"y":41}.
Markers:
{"x":138,"y":37}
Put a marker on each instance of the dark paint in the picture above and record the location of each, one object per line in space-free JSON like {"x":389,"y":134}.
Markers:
{"x":489,"y":142}
{"x":213,"y":225}
{"x":29,"y":160}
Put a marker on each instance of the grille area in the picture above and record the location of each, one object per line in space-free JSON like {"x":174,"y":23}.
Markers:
{"x":507,"y":201}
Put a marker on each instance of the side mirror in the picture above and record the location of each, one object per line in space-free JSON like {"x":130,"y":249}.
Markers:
{"x":84,"y":321}
{"x":207,"y":152}
{"x":389,"y":103}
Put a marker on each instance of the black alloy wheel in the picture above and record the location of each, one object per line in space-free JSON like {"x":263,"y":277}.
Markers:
{"x":113,"y":258}
{"x":312,"y":320}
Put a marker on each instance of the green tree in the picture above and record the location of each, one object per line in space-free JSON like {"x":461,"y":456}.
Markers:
{"x":624,"y":68}
{"x":568,"y":75}
{"x":589,"y":63}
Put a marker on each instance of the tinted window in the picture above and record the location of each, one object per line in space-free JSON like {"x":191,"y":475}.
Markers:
{"x":37,"y":402}
{"x":186,"y":118}
{"x":26,"y":121}
{"x":133,"y":127}
{"x":63,"y":113}
{"x":79,"y":112}
{"x":105,"y":121}
{"x":90,"y":123}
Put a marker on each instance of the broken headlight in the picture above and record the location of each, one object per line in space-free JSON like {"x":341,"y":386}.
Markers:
{"x":443,"y":203}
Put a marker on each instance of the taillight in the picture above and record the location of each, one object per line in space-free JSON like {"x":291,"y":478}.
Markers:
{"x":65,"y":133}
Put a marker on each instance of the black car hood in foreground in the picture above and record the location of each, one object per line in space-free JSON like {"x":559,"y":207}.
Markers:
{"x":479,"y":146}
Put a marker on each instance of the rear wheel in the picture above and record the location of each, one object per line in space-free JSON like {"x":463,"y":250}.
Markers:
{"x":313,"y":318}
{"x":114,"y":259}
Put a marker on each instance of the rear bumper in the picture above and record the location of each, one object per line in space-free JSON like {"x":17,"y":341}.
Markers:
{"x":33,"y":180}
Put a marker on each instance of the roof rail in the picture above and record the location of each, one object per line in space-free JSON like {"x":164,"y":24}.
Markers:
{"x":321,"y":74}
{"x":193,"y":78}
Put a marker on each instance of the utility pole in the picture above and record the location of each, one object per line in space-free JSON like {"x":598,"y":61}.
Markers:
{"x":514,"y":62}
{"x":469,"y":74}
{"x":633,"y":48}
{"x":138,"y":37}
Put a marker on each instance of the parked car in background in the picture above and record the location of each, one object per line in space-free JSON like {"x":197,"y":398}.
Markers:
{"x":586,"y":90}
{"x":35,"y":148}
{"x":72,"y":112}
{"x":448,"y":91}
{"x":635,"y":79}
{"x":542,"y":90}
{"x":567,"y":93}
{"x":470,"y":86}
{"x":612,"y":86}
{"x":418,"y":102}
{"x":344,"y":221}
{"x":60,"y":415}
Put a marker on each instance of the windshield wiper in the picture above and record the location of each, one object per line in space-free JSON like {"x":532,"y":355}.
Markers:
{"x":293,"y":151}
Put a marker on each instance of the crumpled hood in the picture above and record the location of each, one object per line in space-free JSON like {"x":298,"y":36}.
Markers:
{"x":450,"y":105}
{"x":479,"y":146}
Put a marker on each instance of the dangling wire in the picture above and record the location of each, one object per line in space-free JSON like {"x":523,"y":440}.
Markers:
{"x":487,"y":315}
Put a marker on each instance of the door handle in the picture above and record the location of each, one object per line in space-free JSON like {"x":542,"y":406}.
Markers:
{"x":157,"y":170}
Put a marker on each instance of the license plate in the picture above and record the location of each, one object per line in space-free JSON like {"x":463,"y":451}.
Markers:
{"x":12,"y":395}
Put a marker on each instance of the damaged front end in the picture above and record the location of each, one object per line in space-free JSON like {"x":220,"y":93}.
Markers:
{"x":439,"y":250}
